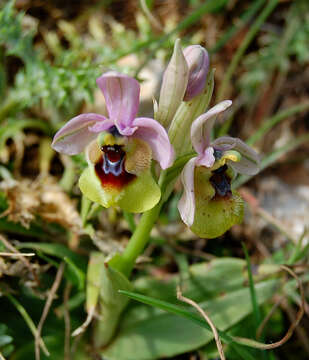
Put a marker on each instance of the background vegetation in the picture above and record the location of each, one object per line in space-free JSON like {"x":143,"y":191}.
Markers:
{"x":50,"y":55}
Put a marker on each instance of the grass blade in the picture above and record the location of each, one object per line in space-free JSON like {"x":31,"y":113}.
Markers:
{"x":272,"y":157}
{"x":269,"y":123}
{"x":271,"y":4}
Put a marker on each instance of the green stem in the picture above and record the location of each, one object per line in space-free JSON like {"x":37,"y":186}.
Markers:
{"x":244,"y":45}
{"x":68,"y":176}
{"x":130,"y":220}
{"x":138,"y":240}
{"x":126,"y":261}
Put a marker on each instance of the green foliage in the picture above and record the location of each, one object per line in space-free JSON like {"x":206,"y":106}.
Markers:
{"x":14,"y":37}
{"x":278,"y":50}
{"x":6,"y":346}
{"x":54,"y":79}
{"x":150,"y":333}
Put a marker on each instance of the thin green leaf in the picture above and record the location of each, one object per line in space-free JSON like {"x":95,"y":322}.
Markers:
{"x":58,"y":250}
{"x":27,"y":319}
{"x":239,"y":24}
{"x":255,"y":306}
{"x":78,"y":275}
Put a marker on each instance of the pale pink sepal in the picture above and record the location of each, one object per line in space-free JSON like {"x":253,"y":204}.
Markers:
{"x":201,"y":127}
{"x":186,"y":204}
{"x":198,"y":63}
{"x":207,"y":158}
{"x":75,"y":135}
{"x":156,"y":137}
{"x":250,"y":160}
{"x":121,"y":93}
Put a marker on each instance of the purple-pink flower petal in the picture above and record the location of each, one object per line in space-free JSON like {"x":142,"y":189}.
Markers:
{"x":202,"y":126}
{"x":207,"y":158}
{"x":101,"y":126}
{"x":121,"y":94}
{"x":198,"y":63}
{"x":156,"y":136}
{"x":250,"y":161}
{"x":186,"y":204}
{"x":75,"y":135}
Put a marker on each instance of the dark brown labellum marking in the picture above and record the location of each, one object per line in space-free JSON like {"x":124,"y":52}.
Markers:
{"x":218,"y":154}
{"x":221,"y":182}
{"x":114,"y":131}
{"x":110,"y":168}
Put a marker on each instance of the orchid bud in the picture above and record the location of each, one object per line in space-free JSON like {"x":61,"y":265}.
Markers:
{"x":174,"y":85}
{"x":186,"y":114}
{"x":198,"y":62}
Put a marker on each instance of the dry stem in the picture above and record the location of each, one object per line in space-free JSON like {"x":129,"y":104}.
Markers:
{"x":9,"y":246}
{"x":206,"y":317}
{"x":289,"y":333}
{"x":47,"y":306}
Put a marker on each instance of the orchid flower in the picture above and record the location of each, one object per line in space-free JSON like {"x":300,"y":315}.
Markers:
{"x":119,"y":148}
{"x":208,"y":205}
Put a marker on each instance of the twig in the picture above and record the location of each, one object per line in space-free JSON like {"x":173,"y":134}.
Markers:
{"x":85,"y":324}
{"x":9,"y":246}
{"x":207,"y":319}
{"x":264,"y":214}
{"x":47,"y":306}
{"x":16,"y":255}
{"x":301,"y":333}
{"x":289,"y":333}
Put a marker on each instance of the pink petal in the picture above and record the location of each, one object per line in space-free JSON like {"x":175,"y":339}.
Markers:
{"x":75,"y":135}
{"x":250,"y":161}
{"x":156,"y":136}
{"x":207,"y":159}
{"x":198,"y":64}
{"x":202,"y":126}
{"x":186,"y":204}
{"x":121,"y":94}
